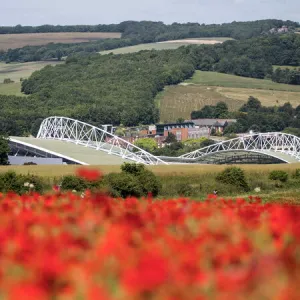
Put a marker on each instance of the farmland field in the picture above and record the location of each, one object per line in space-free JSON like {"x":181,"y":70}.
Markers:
{"x":173,"y":44}
{"x":208,"y":88}
{"x":13,"y":41}
{"x":16,"y":71}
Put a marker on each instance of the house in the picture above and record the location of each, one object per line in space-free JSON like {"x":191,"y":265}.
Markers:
{"x":218,"y":124}
{"x":162,"y":128}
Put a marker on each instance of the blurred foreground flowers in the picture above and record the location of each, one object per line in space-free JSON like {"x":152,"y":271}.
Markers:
{"x":65,"y":246}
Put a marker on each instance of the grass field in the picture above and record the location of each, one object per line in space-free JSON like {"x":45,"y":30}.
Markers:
{"x":174,"y":44}
{"x":13,"y":41}
{"x":170,"y":170}
{"x":208,"y":88}
{"x":11,"y":89}
{"x":16,"y":71}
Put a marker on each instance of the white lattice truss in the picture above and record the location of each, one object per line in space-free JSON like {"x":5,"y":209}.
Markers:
{"x":80,"y":133}
{"x":272,"y":144}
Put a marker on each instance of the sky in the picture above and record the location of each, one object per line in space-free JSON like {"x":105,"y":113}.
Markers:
{"x":73,"y":12}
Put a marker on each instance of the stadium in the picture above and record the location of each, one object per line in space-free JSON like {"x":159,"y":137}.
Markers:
{"x":62,"y":140}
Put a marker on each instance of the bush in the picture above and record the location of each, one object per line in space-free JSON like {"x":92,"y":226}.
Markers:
{"x":123,"y":185}
{"x":234,"y":176}
{"x":134,"y":180}
{"x":71,"y":182}
{"x":149,"y":183}
{"x":7,"y":81}
{"x":296,"y":175}
{"x":30,"y":163}
{"x":279,"y":175}
{"x":183,"y":189}
{"x":10,"y":181}
{"x":133,"y":169}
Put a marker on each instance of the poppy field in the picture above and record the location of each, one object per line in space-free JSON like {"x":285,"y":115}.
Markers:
{"x":67,"y":245}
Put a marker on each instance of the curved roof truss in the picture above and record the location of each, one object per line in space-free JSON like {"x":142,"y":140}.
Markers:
{"x":80,"y":133}
{"x":282,"y":146}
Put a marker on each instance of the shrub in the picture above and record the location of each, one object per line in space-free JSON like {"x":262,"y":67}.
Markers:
{"x":7,"y":81}
{"x":10,"y":181}
{"x":123,"y":185}
{"x":30,"y":163}
{"x":234,"y":176}
{"x":79,"y":184}
{"x":183,"y":189}
{"x":296,"y":175}
{"x":279,"y":175}
{"x":133,"y":169}
{"x":71,"y":182}
{"x":149,"y":183}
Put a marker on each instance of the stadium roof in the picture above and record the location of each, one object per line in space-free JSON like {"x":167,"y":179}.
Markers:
{"x":69,"y":151}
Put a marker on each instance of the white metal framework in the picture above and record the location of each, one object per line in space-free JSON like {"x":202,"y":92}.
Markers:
{"x":280,"y":146}
{"x":70,"y":130}
{"x":284,"y":147}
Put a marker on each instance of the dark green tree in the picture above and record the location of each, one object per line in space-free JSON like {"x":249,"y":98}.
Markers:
{"x":4,"y":150}
{"x":171,"y":138}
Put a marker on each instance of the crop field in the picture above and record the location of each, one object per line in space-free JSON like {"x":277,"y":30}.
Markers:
{"x":174,"y":44}
{"x":12,"y":41}
{"x":208,"y":88}
{"x":16,"y":71}
{"x":227,"y":80}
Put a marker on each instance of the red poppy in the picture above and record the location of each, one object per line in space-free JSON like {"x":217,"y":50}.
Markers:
{"x":89,"y":174}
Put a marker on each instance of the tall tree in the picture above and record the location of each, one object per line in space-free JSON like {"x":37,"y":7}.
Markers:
{"x":4,"y":150}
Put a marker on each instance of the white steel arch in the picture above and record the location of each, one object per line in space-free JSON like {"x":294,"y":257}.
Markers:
{"x":285,"y":147}
{"x":74,"y":131}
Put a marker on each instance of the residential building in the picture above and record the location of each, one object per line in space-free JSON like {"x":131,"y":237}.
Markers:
{"x":218,"y":124}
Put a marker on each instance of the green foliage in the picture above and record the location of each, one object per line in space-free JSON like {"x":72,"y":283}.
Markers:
{"x":10,"y":181}
{"x":149,"y":183}
{"x":123,"y":185}
{"x":71,"y":182}
{"x":233,"y":176}
{"x":293,"y":131}
{"x":296,"y":174}
{"x":134,"y":180}
{"x":287,"y":76}
{"x":4,"y":150}
{"x":171,"y":138}
{"x":252,"y":105}
{"x":219,"y":111}
{"x":279,"y":175}
{"x":7,"y":81}
{"x":134,"y":169}
{"x":146,"y":144}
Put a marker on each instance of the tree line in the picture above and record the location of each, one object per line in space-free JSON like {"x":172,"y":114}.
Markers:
{"x":258,"y":118}
{"x":254,"y":116}
{"x":133,"y":33}
{"x":287,"y":76}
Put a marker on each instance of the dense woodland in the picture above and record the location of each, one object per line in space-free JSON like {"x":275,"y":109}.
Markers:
{"x":120,"y":89}
{"x":133,"y":33}
{"x":97,"y":89}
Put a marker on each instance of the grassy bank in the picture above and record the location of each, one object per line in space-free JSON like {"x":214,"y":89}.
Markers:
{"x":195,"y":181}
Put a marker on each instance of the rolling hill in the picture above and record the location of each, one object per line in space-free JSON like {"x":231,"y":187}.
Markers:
{"x":208,"y":88}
